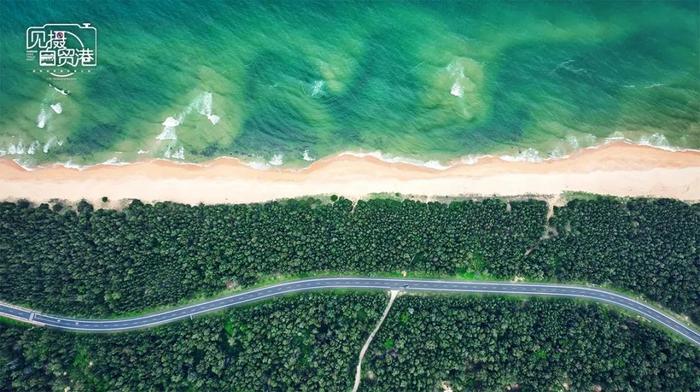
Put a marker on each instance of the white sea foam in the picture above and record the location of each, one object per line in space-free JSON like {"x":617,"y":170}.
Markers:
{"x":42,"y":118}
{"x":463,"y":83}
{"x":469,"y":160}
{"x":49,"y":144}
{"x":433,"y":164}
{"x":179,"y":154}
{"x":277,"y":160}
{"x":25,"y":163}
{"x":172,"y":153}
{"x":114,"y":161}
{"x":32,"y":147}
{"x":71,"y":165}
{"x":527,"y":155}
{"x":214,"y":118}
{"x":589,"y":139}
{"x":457,"y":71}
{"x":307,"y":157}
{"x":16,"y":149}
{"x":457,"y":89}
{"x":560,"y":65}
{"x":454,"y":68}
{"x":657,"y":140}
{"x":572,"y":141}
{"x":258,"y":165}
{"x":168,"y":133}
{"x":171,"y":122}
{"x":558,"y":152}
{"x":169,"y":126}
{"x":203,"y":105}
{"x":57,"y":108}
{"x":317,"y":88}
{"x":568,"y":65}
{"x":141,"y":152}
{"x":617,"y":135}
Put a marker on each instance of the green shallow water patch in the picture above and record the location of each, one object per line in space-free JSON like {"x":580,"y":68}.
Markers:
{"x":420,"y":80}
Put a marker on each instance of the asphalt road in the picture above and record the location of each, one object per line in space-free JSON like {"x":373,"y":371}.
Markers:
{"x":87,"y":325}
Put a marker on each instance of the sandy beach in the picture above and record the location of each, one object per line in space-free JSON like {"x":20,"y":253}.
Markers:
{"x":619,"y":169}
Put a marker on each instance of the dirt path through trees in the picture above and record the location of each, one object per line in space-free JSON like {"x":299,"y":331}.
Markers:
{"x":358,"y":373}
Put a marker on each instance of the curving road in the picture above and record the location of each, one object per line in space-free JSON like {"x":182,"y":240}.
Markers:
{"x":415,"y":285}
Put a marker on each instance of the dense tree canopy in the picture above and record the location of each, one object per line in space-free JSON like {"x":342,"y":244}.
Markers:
{"x":490,"y":343}
{"x":101,"y":261}
{"x":650,"y":247}
{"x":310,"y":342}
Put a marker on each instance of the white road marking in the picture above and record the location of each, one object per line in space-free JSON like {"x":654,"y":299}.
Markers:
{"x":358,"y":283}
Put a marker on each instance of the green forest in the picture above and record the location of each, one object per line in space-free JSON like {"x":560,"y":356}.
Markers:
{"x":92,"y":261}
{"x":310,"y":342}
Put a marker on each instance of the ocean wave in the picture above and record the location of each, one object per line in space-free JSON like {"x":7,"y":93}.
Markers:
{"x":457,"y":90}
{"x":20,"y":148}
{"x":317,"y":88}
{"x":24,"y":164}
{"x":277,"y":160}
{"x":432,"y":164}
{"x":617,"y":135}
{"x":214,"y":118}
{"x":32,"y":147}
{"x":42,"y":118}
{"x":470,"y":159}
{"x":582,"y":141}
{"x":174,"y":153}
{"x":657,"y":140}
{"x":568,"y":66}
{"x":50,"y":143}
{"x":307,"y":157}
{"x":257,"y":165}
{"x":527,"y":155}
{"x":558,"y":152}
{"x":70,"y":165}
{"x":15,"y":149}
{"x":202,"y":104}
{"x":114,"y":161}
{"x":169,"y":126}
{"x":457,"y":72}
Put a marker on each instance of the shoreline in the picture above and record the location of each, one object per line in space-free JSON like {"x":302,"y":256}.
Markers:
{"x":432,"y":164}
{"x":615,"y":168}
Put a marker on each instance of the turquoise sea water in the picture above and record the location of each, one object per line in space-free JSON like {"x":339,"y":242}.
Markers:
{"x":288,"y":80}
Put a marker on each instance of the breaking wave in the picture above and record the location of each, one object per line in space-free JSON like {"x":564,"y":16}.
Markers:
{"x":277,"y":160}
{"x":432,"y":164}
{"x":305,"y":156}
